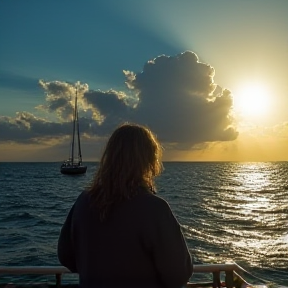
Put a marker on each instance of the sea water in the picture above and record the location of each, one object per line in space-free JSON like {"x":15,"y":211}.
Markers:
{"x":229,"y":212}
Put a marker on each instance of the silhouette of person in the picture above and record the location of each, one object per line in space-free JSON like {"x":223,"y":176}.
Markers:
{"x":119,"y":233}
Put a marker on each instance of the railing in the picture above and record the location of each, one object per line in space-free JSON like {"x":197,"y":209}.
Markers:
{"x":232,"y":278}
{"x":230,"y":271}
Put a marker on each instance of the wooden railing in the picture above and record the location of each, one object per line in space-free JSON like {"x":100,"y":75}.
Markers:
{"x":231,"y":273}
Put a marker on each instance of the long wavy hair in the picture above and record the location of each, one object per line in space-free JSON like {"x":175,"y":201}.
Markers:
{"x":132,"y":158}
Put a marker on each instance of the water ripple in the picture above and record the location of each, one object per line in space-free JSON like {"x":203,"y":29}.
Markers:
{"x":228,"y":212}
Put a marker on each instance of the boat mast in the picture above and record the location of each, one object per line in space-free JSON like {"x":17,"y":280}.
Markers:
{"x":74,"y":120}
{"x":78,"y":135}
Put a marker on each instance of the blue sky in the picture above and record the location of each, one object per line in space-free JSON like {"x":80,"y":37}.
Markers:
{"x":244,"y":42}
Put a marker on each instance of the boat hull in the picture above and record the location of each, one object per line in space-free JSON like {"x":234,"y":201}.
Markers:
{"x":73,"y":170}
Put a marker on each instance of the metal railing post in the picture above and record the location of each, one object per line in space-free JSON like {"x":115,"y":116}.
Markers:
{"x":216,"y":279}
{"x":229,"y":279}
{"x":58,"y":280}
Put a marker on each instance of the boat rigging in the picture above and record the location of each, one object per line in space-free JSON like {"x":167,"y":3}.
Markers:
{"x":74,"y":164}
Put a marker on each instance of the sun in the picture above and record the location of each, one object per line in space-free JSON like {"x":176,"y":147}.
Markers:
{"x":252,"y":100}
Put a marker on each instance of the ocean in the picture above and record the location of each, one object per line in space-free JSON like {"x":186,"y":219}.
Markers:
{"x":229,"y":212}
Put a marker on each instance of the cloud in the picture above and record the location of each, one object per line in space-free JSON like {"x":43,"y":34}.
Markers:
{"x":26,"y":128}
{"x":101,"y":111}
{"x":108,"y":108}
{"x":174,"y":95}
{"x":60,"y":97}
{"x":176,"y":100}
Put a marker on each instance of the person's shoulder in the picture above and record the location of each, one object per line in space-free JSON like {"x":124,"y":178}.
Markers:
{"x":83,"y":198}
{"x":153,"y":199}
{"x":82,"y":204}
{"x":154,"y":209}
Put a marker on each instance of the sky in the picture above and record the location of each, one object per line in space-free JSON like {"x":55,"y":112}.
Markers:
{"x":208,"y":77}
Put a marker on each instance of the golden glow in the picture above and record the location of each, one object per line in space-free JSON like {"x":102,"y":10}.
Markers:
{"x":252,"y":100}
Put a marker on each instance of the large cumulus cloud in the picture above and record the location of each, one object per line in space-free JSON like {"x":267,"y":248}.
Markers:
{"x":177,"y":100}
{"x":174,"y":95}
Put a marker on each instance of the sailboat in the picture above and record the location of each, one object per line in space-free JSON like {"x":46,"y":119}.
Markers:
{"x":74,"y":164}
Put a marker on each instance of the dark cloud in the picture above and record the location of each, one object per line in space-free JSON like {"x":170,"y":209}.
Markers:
{"x":176,"y":100}
{"x":110,"y":102}
{"x":109,"y":108}
{"x":25,"y":127}
{"x":175,"y":96}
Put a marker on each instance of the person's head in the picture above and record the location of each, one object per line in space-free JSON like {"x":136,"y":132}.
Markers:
{"x":132,"y":158}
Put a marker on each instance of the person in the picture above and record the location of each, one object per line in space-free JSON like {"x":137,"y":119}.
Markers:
{"x":119,"y":233}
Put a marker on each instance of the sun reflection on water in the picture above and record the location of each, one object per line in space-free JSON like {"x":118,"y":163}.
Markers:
{"x":249,"y":214}
{"x":233,"y":212}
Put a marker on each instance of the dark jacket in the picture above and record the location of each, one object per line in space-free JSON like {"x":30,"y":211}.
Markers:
{"x":140,"y":244}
